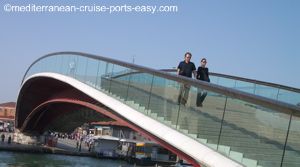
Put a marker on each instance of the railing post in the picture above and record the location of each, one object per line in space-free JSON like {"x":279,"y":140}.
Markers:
{"x":177,"y":116}
{"x":254,"y":91}
{"x":286,"y":139}
{"x":128,"y":85}
{"x":86,"y":66}
{"x":150,"y":94}
{"x":97,"y":75}
{"x":112,"y":70}
{"x":76,"y":66}
{"x":277,"y":94}
{"x":61,"y":63}
{"x":235,"y":84}
{"x":180,"y":97}
{"x":225,"y":105}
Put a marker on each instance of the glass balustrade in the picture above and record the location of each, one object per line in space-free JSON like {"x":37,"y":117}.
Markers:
{"x":246,"y":132}
{"x":275,"y":93}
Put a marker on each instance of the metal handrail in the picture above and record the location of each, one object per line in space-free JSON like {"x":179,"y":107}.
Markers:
{"x":274,"y":85}
{"x":265,"y":102}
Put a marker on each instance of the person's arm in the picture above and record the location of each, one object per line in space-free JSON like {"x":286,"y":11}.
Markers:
{"x":208,"y":75}
{"x":178,"y":68}
{"x":194,"y":71}
{"x":195,"y":74}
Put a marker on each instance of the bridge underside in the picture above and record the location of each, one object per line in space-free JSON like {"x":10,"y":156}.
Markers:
{"x":49,"y":104}
{"x":45,"y":104}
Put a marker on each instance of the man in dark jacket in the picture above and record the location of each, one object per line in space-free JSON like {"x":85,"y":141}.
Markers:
{"x":185,"y":68}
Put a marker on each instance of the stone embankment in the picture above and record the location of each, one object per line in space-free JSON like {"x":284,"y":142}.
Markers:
{"x":64,"y":146}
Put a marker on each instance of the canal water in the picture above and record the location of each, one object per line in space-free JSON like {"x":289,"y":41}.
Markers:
{"x":16,"y":159}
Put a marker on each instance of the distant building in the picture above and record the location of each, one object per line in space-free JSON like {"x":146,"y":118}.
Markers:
{"x":7,"y":116}
{"x":8,"y":110}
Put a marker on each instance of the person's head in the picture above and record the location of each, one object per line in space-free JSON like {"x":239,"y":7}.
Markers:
{"x":187,"y":57}
{"x":203,"y":62}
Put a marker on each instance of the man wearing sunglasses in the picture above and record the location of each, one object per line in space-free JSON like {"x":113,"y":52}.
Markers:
{"x":202,"y":74}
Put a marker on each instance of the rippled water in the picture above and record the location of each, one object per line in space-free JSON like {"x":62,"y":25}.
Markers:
{"x":14,"y":159}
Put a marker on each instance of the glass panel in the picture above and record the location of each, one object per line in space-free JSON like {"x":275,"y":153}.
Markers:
{"x":257,"y":132}
{"x":41,"y":66}
{"x":81,"y":68}
{"x":58,"y":63}
{"x":120,"y":81}
{"x":51,"y":64}
{"x":45,"y":64}
{"x":289,"y":97}
{"x":106,"y":77}
{"x":34,"y":69}
{"x":139,"y":89}
{"x":91,"y":73}
{"x":266,"y":91}
{"x":214,"y":79}
{"x":163,"y":100}
{"x":292,"y":152}
{"x":202,"y":115}
{"x":71,"y":65}
{"x":100,"y":73}
{"x":64,"y":66}
{"x":227,"y":82}
{"x":245,"y":86}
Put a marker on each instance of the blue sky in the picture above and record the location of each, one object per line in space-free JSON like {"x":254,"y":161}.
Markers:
{"x":257,"y":39}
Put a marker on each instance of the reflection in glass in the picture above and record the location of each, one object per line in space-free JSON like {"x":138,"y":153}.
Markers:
{"x":259,"y":133}
{"x":289,"y":97}
{"x":163,"y":100}
{"x":227,"y":82}
{"x":292,"y":152}
{"x":120,"y":80}
{"x":266,"y":91}
{"x":80,"y":68}
{"x":245,"y":86}
{"x":91,"y":72}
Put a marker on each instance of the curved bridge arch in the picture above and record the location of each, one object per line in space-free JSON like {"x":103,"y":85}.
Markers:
{"x":149,"y":102}
{"x":76,"y":98}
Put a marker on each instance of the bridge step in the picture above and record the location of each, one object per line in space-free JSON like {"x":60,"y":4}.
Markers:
{"x":249,"y":162}
{"x":202,"y":140}
{"x":161,"y":119}
{"x":224,"y":149}
{"x":213,"y":146}
{"x":193,"y":135}
{"x":236,"y":156}
{"x":184,"y":131}
{"x":153,"y":115}
{"x":131,"y":103}
{"x":221,"y":148}
{"x":142,"y":109}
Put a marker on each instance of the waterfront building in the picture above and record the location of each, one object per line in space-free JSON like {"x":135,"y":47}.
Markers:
{"x":8,"y":110}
